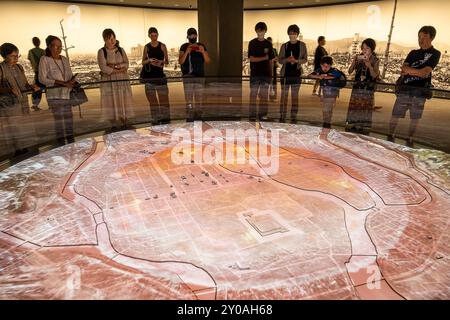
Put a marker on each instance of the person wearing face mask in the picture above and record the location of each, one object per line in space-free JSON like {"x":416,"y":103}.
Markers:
{"x":260,"y":53}
{"x":192,"y":58}
{"x":362,"y":100}
{"x":116,"y":96}
{"x":415,"y":83}
{"x":292,"y":55}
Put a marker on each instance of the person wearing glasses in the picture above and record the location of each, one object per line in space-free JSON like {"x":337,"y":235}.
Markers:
{"x":55,"y":73}
{"x":14,"y":102}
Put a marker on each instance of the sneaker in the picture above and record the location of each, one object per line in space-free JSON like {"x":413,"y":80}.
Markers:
{"x":36,"y":108}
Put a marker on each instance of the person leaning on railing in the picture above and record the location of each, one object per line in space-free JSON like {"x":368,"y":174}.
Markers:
{"x":55,"y":73}
{"x":414,"y":86}
{"x":14,"y":102}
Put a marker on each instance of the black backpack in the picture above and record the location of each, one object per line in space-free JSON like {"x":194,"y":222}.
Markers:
{"x":105,"y":53}
{"x":340,"y":82}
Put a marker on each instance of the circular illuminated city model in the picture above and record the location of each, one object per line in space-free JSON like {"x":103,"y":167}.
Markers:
{"x":142,"y":215}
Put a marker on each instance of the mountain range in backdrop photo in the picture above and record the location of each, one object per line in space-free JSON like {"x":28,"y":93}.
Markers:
{"x":344,"y":26}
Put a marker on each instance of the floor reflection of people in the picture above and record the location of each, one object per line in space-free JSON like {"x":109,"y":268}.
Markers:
{"x":273,"y":88}
{"x":14,"y":104}
{"x":292,"y":55}
{"x":415,"y":83}
{"x":260,"y":53}
{"x":116,"y":94}
{"x":362,"y":99}
{"x":154,"y":59}
{"x":327,"y":76}
{"x":192,"y":58}
{"x":55,"y":73}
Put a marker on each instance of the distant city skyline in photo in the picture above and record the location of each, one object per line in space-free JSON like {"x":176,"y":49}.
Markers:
{"x":84,"y":24}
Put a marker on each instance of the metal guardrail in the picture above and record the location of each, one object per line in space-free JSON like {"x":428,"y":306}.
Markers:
{"x":384,"y":87}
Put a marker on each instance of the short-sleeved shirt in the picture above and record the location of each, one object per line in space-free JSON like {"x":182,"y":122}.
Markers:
{"x":419,"y":59}
{"x":292,"y":69}
{"x":194,"y":64}
{"x":318,"y":55}
{"x":35,"y":55}
{"x":259,"y":49}
{"x":328,"y":85}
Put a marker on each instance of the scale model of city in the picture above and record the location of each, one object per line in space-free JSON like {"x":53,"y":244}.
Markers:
{"x":114,"y":217}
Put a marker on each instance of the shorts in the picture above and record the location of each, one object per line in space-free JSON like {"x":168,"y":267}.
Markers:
{"x":405,"y":102}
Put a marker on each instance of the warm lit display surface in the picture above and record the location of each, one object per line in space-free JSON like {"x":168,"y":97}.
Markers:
{"x":345,"y":217}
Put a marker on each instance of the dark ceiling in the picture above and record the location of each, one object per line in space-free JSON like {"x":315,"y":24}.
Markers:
{"x":192,"y":4}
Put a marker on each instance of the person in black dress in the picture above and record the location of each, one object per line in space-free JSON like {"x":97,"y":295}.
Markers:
{"x":154,"y":59}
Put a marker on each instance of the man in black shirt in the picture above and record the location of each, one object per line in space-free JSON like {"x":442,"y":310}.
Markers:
{"x":193,"y":56}
{"x":318,"y":55}
{"x":260,"y":53}
{"x":415,"y":82}
{"x":292,"y":55}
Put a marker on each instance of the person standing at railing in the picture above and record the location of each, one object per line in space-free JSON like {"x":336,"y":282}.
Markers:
{"x":192,"y":58}
{"x":273,"y":86}
{"x":154,"y":59}
{"x":14,"y":102}
{"x":318,"y":55}
{"x":34,"y":56}
{"x":362,"y":99}
{"x":292,"y":55}
{"x":331,"y":80}
{"x":55,"y":73}
{"x":414,"y":85}
{"x":116,"y":94}
{"x":260,"y":53}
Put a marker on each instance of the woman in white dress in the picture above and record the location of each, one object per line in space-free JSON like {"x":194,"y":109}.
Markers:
{"x":116,"y":96}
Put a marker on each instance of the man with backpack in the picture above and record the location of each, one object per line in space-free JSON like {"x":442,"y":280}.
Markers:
{"x":331,"y":81}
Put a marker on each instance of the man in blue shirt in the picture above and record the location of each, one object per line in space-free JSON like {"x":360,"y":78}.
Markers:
{"x":330,"y":91}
